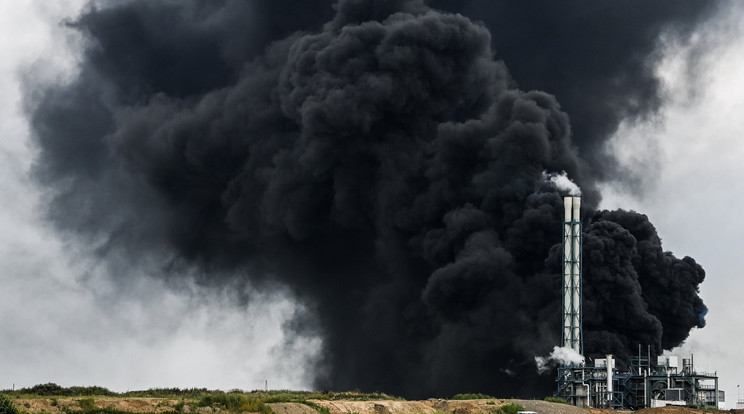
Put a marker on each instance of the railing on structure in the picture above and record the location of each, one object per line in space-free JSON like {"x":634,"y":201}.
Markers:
{"x":617,"y":401}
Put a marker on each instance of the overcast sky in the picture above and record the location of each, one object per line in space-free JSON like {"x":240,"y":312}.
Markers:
{"x":694,"y":192}
{"x":63,"y":321}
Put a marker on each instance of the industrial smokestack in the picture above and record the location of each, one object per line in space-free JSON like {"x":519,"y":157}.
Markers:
{"x":572,"y":332}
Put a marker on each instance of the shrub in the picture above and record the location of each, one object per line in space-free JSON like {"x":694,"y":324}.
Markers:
{"x":7,"y":406}
{"x":194,"y":393}
{"x":44,"y":389}
{"x":88,"y":391}
{"x":234,"y":402}
{"x":87,"y":404}
{"x":556,"y":400}
{"x":508,"y":409}
{"x":319,"y":408}
{"x":54,"y":390}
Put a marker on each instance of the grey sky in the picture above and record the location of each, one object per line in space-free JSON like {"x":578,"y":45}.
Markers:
{"x":694,"y":184}
{"x":62,"y":320}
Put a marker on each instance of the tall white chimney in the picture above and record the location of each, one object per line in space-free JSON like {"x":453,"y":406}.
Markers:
{"x":572,"y":320}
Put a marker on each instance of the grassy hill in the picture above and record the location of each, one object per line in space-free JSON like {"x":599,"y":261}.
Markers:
{"x":52,"y":399}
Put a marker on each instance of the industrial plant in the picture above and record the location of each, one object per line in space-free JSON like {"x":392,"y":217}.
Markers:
{"x":648,"y":382}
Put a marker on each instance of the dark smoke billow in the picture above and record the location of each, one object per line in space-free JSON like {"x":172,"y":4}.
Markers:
{"x":379,"y":161}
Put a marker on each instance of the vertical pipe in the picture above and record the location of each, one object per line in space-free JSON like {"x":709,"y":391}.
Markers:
{"x":609,"y":379}
{"x":669,"y":379}
{"x":567,"y":269}
{"x":645,"y":389}
{"x":649,"y":357}
{"x":692,"y":363}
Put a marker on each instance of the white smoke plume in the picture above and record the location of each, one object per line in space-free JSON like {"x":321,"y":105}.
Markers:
{"x":560,"y":355}
{"x":562,"y":182}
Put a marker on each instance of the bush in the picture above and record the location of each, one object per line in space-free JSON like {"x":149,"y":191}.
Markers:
{"x":508,"y":409}
{"x":168,"y":393}
{"x":44,"y":389}
{"x":7,"y":406}
{"x":53,"y":390}
{"x":234,"y":402}
{"x":556,"y":400}
{"x":88,"y":391}
{"x":319,"y":408}
{"x":87,"y":404}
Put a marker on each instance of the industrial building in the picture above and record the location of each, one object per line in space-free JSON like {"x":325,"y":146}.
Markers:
{"x":648,"y":382}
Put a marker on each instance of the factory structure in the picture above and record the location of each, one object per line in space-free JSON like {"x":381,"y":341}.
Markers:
{"x":649,"y":382}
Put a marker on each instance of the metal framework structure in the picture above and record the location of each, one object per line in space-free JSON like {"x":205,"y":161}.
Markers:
{"x":584,"y":386}
{"x":572,"y":336}
{"x":647,"y":384}
{"x":602,"y":386}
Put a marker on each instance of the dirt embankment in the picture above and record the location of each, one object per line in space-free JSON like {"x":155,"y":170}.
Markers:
{"x":132,"y":405}
{"x":432,"y":406}
{"x":468,"y":407}
{"x":159,"y":405}
{"x":425,"y":407}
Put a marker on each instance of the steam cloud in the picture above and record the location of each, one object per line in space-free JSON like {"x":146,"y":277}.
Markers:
{"x":563,"y":183}
{"x":377,"y":159}
{"x":560,"y":355}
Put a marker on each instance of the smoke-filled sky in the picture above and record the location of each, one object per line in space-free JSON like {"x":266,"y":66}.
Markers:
{"x":361,"y":195}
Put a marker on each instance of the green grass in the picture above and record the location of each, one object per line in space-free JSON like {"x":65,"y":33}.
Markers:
{"x":235,"y":401}
{"x":169,"y":393}
{"x":106,"y":410}
{"x":472,"y":397}
{"x":54,"y":390}
{"x":300,"y":396}
{"x":556,"y":400}
{"x":508,"y":409}
{"x":231,"y":401}
{"x":319,"y":408}
{"x":193,"y":394}
{"x":87,"y":404}
{"x":7,"y":406}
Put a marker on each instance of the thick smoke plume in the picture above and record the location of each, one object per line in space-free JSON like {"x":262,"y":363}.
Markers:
{"x":378,"y":159}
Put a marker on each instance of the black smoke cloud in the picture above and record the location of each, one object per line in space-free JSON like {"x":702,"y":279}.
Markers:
{"x":593,"y":57}
{"x":377,"y":159}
